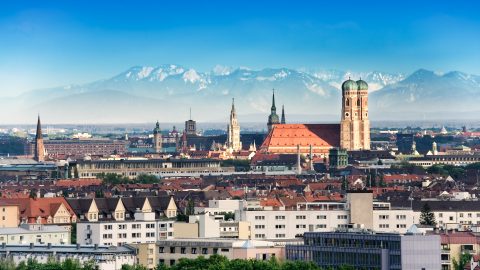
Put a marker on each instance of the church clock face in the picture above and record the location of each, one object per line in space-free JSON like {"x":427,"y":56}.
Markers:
{"x":347,"y":114}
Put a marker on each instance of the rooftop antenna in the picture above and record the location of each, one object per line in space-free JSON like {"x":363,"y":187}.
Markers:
{"x":190,"y":113}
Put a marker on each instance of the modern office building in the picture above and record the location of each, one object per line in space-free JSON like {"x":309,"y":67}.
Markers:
{"x":35,"y":233}
{"x":368,"y":250}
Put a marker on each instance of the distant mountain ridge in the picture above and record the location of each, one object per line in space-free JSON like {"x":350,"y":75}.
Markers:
{"x":166,"y":92}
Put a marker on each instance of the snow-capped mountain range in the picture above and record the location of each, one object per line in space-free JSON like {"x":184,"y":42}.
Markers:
{"x":144,"y":94}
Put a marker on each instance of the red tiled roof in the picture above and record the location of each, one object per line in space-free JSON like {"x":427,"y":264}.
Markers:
{"x":458,"y":238}
{"x":284,"y":138}
{"x":78,"y":182}
{"x":30,"y":209}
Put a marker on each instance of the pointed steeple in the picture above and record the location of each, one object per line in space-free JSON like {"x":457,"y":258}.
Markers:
{"x":273,"y":108}
{"x":39,"y":154}
{"x":233,"y":113}
{"x":273,"y":117}
{"x":283,"y":115}
{"x":39,"y":134}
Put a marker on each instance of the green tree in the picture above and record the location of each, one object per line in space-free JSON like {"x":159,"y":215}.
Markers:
{"x":147,"y":179}
{"x":464,"y":260}
{"x":190,"y":210}
{"x":427,"y":217}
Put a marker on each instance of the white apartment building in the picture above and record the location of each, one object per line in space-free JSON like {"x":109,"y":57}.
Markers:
{"x":360,"y":209}
{"x":288,"y":224}
{"x":142,"y":229}
{"x":217,"y":207}
{"x":36,"y":234}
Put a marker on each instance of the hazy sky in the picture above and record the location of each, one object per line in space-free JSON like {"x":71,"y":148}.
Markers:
{"x":52,"y":43}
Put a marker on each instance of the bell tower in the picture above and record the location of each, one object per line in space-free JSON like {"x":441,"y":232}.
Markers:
{"x":355,"y":126}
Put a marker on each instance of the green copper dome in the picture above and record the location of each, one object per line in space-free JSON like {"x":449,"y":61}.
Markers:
{"x":156,"y":130}
{"x":349,"y":85}
{"x":362,"y":85}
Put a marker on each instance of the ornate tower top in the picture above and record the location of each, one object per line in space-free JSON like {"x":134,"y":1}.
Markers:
{"x":283,"y":115}
{"x":273,"y":117}
{"x":156,"y":130}
{"x":273,"y":108}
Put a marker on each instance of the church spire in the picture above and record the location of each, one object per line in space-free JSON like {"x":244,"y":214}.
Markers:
{"x":233,"y":113}
{"x":273,"y":108}
{"x":39,"y":135}
{"x":283,"y":115}
{"x":39,"y":154}
{"x":273,"y":117}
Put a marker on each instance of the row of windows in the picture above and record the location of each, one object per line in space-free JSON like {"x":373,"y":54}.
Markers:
{"x":193,"y":250}
{"x":301,"y":217}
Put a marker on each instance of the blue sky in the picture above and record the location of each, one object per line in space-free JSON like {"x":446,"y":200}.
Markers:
{"x":51,"y":43}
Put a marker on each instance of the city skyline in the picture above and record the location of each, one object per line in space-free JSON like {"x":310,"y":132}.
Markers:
{"x":55,"y":44}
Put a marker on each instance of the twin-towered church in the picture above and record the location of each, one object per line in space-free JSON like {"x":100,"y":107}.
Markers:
{"x":353,"y":132}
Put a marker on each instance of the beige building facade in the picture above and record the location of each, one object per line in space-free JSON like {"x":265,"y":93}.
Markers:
{"x":355,"y":125}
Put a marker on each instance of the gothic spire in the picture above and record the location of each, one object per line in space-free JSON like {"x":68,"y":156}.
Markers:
{"x":273,"y":109}
{"x":283,"y":114}
{"x":233,"y":113}
{"x":39,"y":129}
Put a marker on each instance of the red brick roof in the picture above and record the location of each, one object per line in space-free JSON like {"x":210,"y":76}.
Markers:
{"x":458,"y":238}
{"x":284,"y":138}
{"x":78,"y":182}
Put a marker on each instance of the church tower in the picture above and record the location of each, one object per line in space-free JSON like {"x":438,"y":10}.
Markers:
{"x":157,"y":138}
{"x":283,"y":115}
{"x":39,"y":154}
{"x":273,"y":117}
{"x":233,"y":131}
{"x":355,"y":126}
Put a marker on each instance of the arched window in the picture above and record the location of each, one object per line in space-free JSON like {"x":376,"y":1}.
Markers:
{"x":358,"y":102}
{"x":347,"y":102}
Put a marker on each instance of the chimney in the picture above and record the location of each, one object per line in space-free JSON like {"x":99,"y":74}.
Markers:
{"x":299,"y":162}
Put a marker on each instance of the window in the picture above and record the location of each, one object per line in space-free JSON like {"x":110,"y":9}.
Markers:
{"x":280,"y":226}
{"x":383,"y":217}
{"x":384,"y":226}
{"x":194,"y":250}
{"x":401,"y":226}
{"x":150,"y":234}
{"x":440,"y":214}
{"x":301,"y":226}
{"x":161,"y":249}
{"x":279,"y":217}
{"x":136,"y":226}
{"x":204,"y":251}
{"x":122,"y":226}
{"x":401,"y":217}
{"x":150,"y":225}
{"x":342,"y":217}
{"x":301,"y":217}
{"x":122,"y":235}
{"x":321,"y":217}
{"x":136,"y":235}
{"x":321,"y":226}
{"x":183,"y":250}
{"x":450,"y":218}
{"x":107,"y":236}
{"x":107,"y":227}
{"x":461,"y":214}
{"x":280,"y":235}
{"x":172,"y":249}
{"x":259,"y":226}
{"x":259,"y":235}
{"x":259,"y":217}
{"x":225,"y":250}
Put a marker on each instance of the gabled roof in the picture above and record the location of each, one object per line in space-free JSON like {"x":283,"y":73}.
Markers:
{"x":304,"y":135}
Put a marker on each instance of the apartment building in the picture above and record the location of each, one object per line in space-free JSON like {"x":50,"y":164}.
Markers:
{"x":105,"y":258}
{"x":36,"y":234}
{"x":287,"y":224}
{"x":120,"y":221}
{"x":9,"y":214}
